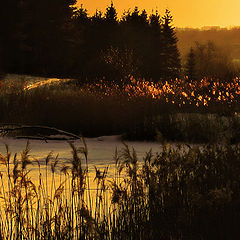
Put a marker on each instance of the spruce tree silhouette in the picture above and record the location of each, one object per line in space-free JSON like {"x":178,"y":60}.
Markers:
{"x":171,"y":56}
{"x":111,"y":26}
{"x":80,"y":44}
{"x":156,"y":49}
{"x":109,"y":37}
{"x":135,"y":38}
{"x":111,"y":14}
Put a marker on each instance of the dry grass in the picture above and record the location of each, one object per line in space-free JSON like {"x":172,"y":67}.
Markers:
{"x":183,"y":193}
{"x":138,"y":109}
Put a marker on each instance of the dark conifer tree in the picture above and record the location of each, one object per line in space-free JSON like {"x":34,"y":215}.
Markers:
{"x":111,"y":26}
{"x":81,"y":17}
{"x":111,"y":14}
{"x":135,"y":38}
{"x":86,"y":43}
{"x":170,"y":56}
{"x":98,"y":30}
{"x":81,"y":28}
{"x":156,"y":47}
{"x":109,"y":37}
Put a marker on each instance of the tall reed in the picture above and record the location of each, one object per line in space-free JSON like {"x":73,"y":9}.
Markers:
{"x":180,"y":193}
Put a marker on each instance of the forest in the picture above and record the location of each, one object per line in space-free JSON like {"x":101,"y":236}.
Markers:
{"x":56,"y":38}
{"x":59,"y":39}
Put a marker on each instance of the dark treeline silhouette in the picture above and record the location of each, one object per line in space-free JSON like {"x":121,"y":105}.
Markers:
{"x":55,"y":38}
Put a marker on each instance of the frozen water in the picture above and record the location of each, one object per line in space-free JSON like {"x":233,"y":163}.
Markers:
{"x":101,"y":150}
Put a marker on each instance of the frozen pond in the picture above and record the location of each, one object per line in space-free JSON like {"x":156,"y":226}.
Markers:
{"x":101,"y":150}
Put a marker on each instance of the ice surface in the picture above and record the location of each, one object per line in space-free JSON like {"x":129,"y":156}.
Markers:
{"x":101,"y":150}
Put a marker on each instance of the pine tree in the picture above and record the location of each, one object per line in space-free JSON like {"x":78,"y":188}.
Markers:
{"x":81,"y":24}
{"x":155,"y":49}
{"x":110,"y":33}
{"x":111,"y":14}
{"x":134,"y":38}
{"x":170,"y":55}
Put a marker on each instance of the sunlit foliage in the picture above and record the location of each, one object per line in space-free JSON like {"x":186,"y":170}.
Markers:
{"x":179,"y":91}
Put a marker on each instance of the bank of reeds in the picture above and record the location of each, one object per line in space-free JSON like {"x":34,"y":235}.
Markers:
{"x":139,"y":110}
{"x":179,"y":193}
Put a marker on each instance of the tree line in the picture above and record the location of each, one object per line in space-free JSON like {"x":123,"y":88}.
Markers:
{"x":56,"y":38}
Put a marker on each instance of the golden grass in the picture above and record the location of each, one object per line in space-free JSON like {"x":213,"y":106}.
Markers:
{"x":177,"y":194}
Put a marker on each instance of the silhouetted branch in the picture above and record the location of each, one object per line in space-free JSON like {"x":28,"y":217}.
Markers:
{"x":6,"y":129}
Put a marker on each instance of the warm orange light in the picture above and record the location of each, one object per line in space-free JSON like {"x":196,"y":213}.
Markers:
{"x":186,"y":12}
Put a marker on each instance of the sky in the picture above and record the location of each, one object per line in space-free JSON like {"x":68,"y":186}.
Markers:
{"x":186,"y":13}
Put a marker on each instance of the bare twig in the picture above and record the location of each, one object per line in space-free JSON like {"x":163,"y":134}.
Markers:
{"x":4,"y":129}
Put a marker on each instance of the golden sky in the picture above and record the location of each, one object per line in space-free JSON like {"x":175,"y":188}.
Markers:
{"x":186,"y":13}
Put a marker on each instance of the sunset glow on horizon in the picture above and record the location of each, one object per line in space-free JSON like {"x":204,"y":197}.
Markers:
{"x":186,"y":13}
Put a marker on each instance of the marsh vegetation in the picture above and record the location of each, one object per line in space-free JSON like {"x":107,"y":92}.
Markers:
{"x":178,"y":110}
{"x":178,"y":193}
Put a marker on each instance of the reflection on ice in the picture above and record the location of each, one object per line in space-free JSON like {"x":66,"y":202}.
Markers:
{"x":101,"y":150}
